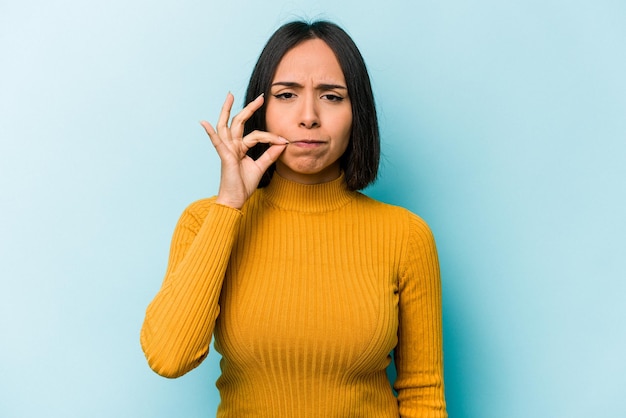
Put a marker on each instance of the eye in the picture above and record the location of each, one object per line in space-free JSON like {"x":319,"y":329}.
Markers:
{"x":284,"y":96}
{"x":332,"y":97}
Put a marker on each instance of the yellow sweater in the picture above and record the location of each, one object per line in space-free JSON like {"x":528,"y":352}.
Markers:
{"x":307,"y":290}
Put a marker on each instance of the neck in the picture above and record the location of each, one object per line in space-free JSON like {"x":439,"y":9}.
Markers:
{"x":307,"y":198}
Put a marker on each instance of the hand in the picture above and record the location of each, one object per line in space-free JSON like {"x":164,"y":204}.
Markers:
{"x":240,"y":174}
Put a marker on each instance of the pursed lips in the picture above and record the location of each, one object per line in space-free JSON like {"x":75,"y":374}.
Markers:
{"x":307,"y":142}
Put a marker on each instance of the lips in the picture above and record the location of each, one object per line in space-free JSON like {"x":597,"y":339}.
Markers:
{"x":307,"y":143}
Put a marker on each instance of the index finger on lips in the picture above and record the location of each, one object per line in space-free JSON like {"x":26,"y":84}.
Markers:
{"x":263,"y":137}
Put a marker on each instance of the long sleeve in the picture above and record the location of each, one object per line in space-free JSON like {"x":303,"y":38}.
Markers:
{"x":418,"y":356}
{"x":179,"y":321}
{"x":306,"y":291}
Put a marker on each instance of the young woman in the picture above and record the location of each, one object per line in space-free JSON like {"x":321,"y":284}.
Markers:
{"x":306,"y":284}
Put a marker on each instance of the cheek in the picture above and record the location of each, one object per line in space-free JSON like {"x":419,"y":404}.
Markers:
{"x":347,"y":126}
{"x":339,"y":122}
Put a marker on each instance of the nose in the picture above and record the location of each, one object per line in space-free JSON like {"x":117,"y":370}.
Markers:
{"x":309,"y":116}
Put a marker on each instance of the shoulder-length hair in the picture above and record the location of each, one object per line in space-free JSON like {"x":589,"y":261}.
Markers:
{"x":360,"y":160}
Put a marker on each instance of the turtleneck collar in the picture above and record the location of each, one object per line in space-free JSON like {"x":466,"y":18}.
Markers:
{"x":308,"y":198}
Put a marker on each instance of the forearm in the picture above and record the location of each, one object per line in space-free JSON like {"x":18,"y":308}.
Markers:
{"x":179,"y":322}
{"x":419,"y":354}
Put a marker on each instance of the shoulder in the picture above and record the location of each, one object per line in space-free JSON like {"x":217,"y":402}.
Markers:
{"x":198,"y":209}
{"x":410,"y":231}
{"x":394,"y":214}
{"x":195,"y":213}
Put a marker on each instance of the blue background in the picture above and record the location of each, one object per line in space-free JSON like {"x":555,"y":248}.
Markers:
{"x":503,"y":125}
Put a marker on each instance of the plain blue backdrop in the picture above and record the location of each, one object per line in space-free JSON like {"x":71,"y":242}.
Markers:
{"x":503,"y":125}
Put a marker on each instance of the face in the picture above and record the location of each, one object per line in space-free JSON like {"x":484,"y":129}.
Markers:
{"x":309,"y":105}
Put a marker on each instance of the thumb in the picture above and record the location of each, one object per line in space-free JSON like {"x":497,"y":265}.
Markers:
{"x":270,"y":156}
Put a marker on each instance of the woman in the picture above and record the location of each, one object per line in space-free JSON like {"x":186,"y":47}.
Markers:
{"x":306,"y":284}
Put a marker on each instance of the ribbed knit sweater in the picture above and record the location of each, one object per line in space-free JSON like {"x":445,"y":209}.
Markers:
{"x":306,"y":289}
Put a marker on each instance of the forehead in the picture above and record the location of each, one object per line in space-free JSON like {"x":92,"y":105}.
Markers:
{"x":312,"y":58}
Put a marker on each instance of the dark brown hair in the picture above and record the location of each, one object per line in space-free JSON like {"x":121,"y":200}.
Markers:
{"x":360,"y":160}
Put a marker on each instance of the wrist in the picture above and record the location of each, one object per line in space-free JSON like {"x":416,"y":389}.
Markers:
{"x":233,"y":203}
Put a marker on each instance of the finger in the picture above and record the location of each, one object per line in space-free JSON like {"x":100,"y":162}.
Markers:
{"x":215,"y":138}
{"x":256,"y":137}
{"x":222,"y":122}
{"x":246,"y":113}
{"x":270,"y":156}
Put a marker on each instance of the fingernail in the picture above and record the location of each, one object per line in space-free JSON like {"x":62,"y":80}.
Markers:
{"x":260,"y":95}
{"x":284,"y":139}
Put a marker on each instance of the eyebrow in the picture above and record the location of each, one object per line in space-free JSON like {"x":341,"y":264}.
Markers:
{"x":322,"y":86}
